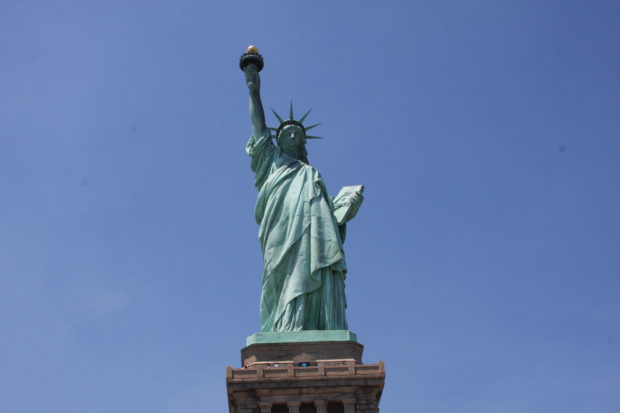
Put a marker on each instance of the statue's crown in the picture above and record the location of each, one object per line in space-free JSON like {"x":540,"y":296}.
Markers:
{"x":291,"y":121}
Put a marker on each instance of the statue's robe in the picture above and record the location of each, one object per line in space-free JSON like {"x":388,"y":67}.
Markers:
{"x":304,"y":265}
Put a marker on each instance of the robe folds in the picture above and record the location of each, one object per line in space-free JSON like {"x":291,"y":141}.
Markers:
{"x":304,"y":264}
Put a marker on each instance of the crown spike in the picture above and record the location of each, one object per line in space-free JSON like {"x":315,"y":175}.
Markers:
{"x":291,"y":117}
{"x":312,"y":126}
{"x":304,"y":116}
{"x":313,"y":137}
{"x":277,"y":116}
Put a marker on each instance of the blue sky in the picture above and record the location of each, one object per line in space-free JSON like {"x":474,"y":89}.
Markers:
{"x":484,"y":265}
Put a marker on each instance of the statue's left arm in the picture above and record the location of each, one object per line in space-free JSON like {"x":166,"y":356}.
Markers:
{"x":356,"y":201}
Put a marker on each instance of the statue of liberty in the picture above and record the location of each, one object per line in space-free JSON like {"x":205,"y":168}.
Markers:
{"x":301,"y":227}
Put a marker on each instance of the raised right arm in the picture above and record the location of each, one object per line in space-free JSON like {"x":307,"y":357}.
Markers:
{"x":257,"y":114}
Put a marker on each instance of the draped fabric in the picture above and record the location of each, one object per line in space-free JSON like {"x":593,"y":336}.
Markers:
{"x":304,"y":265}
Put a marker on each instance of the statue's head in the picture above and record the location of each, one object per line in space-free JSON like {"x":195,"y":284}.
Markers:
{"x":292,"y":141}
{"x":291,"y":136}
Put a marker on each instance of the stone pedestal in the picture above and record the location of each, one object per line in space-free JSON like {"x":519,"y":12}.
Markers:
{"x":304,"y":377}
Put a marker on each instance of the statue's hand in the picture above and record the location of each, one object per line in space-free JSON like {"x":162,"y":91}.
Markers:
{"x":251,"y":78}
{"x":356,"y":201}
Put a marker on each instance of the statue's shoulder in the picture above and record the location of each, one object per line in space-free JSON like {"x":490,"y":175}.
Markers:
{"x":259,"y":144}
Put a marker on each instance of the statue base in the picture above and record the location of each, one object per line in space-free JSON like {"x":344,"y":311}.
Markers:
{"x":304,"y":336}
{"x":299,"y":353}
{"x":311,"y":376}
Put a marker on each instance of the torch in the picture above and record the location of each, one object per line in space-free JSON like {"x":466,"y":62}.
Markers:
{"x":251,"y":57}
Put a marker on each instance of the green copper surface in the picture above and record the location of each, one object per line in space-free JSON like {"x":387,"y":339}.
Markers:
{"x":301,"y":239}
{"x":301,"y":336}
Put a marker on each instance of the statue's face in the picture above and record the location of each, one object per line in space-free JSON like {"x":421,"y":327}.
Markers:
{"x":292,"y":141}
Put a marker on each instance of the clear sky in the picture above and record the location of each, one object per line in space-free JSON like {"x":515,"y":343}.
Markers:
{"x":484,"y":265}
